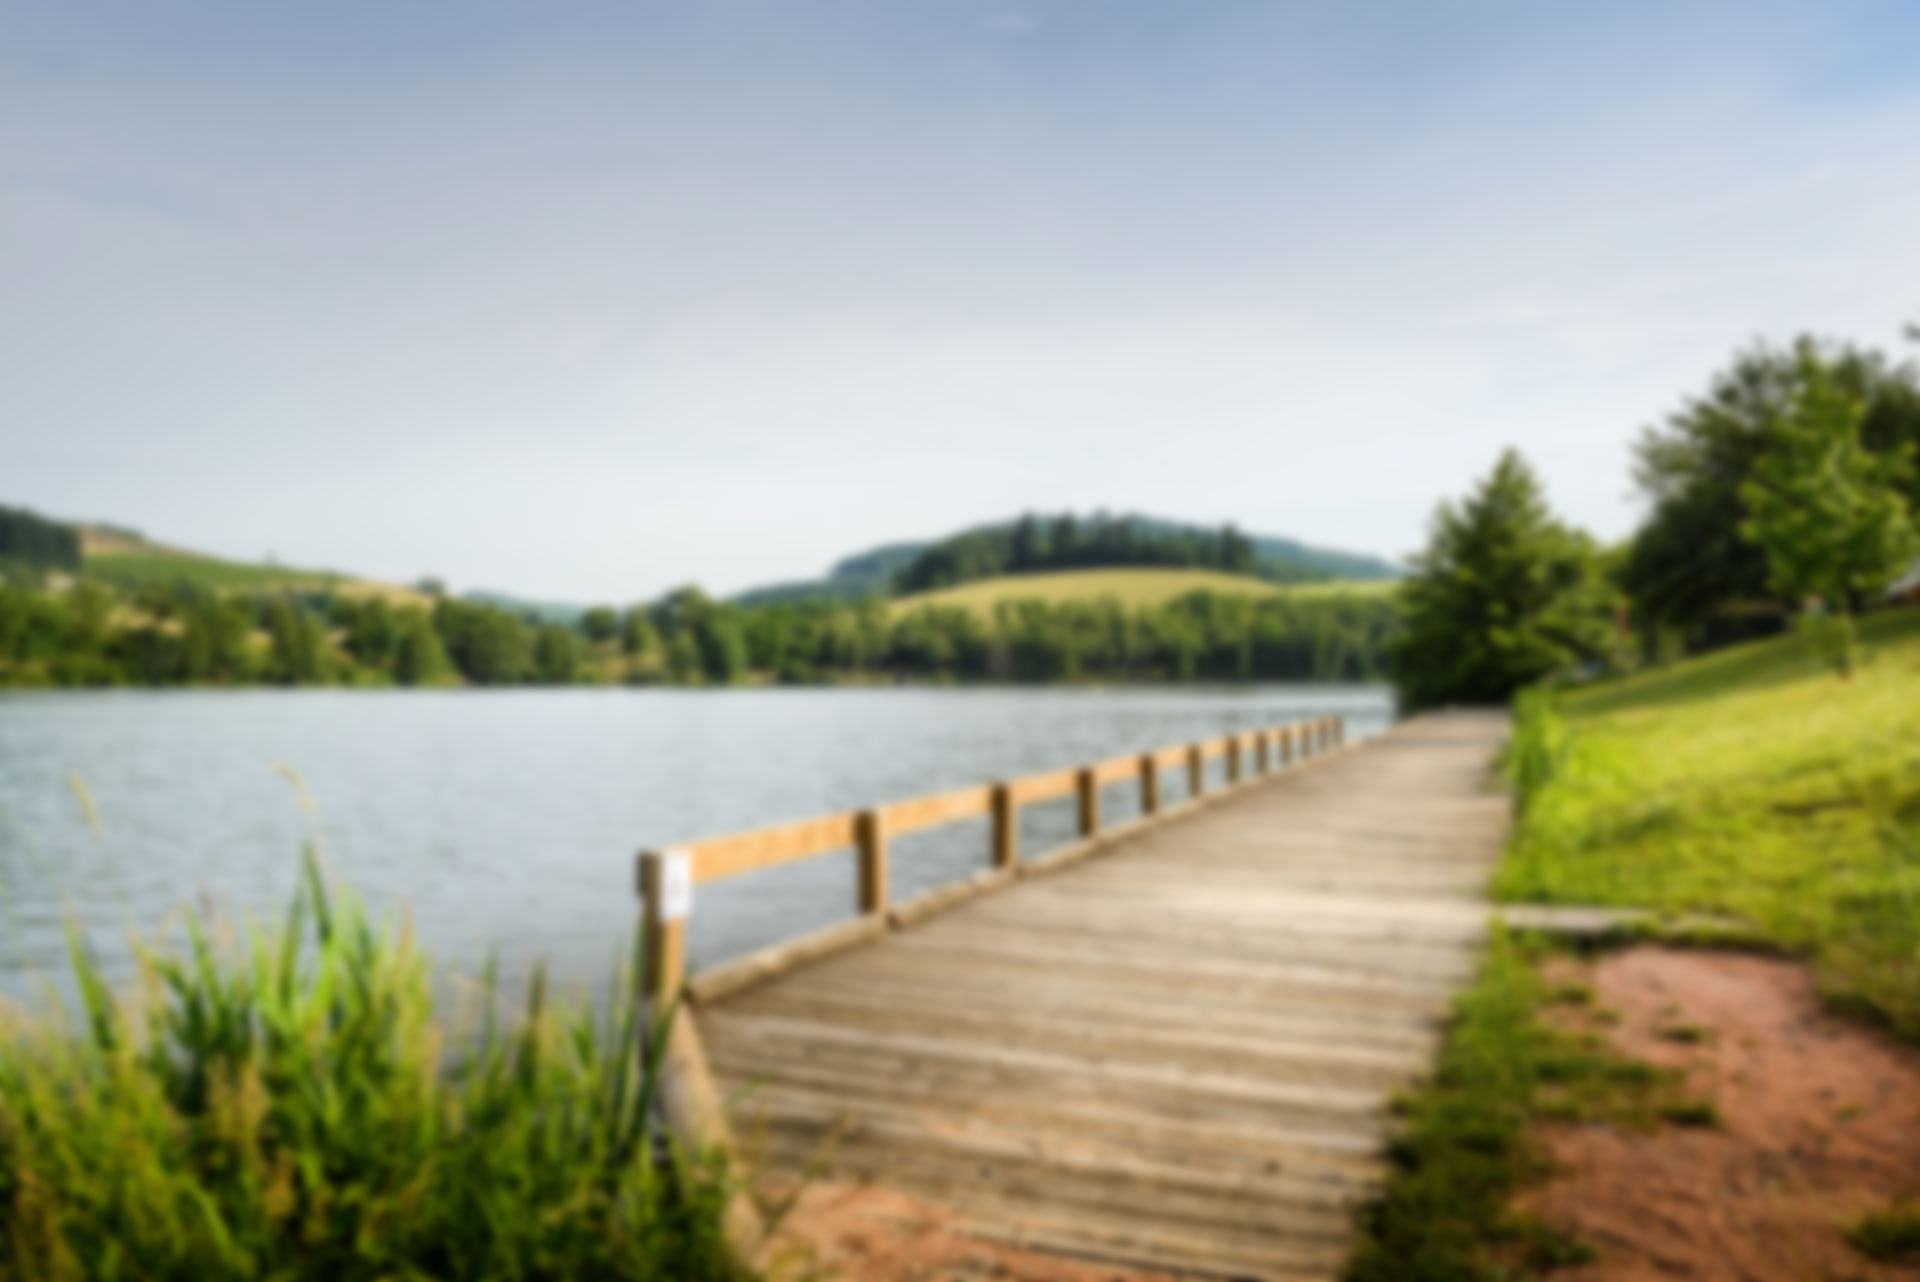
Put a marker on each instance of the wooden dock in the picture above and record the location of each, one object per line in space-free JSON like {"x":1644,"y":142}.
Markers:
{"x":1175,"y":1051}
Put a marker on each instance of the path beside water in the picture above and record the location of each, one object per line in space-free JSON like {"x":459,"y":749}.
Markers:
{"x":1177,"y":1054}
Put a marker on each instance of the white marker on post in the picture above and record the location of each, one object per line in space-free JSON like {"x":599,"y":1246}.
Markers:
{"x":676,"y":885}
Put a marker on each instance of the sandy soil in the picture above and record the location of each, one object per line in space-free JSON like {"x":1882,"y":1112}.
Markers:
{"x":856,"y":1233}
{"x":1820,"y":1123}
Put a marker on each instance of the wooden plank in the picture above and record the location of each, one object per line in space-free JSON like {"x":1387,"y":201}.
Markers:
{"x":1167,"y":758}
{"x":1115,"y":770}
{"x":941,"y":898}
{"x":690,"y":1105}
{"x":941,"y":808}
{"x":719,"y":857}
{"x":1042,"y":787}
{"x":756,"y":968}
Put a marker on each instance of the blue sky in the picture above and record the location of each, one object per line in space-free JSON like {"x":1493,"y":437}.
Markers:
{"x":585,"y":301}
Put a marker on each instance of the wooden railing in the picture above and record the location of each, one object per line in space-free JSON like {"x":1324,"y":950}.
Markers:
{"x":668,"y":877}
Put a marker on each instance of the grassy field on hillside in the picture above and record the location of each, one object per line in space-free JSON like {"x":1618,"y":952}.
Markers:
{"x":1753,"y":783}
{"x":1133,"y":588}
{"x":128,"y":562}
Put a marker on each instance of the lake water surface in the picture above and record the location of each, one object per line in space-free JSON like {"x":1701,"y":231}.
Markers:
{"x":507,"y":821}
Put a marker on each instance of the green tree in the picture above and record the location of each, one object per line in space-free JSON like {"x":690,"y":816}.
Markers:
{"x":299,"y":648}
{"x":723,"y":650}
{"x":1503,"y":596}
{"x":487,"y":644}
{"x":683,"y":659}
{"x":1693,"y":557}
{"x":32,"y":540}
{"x":1828,"y":512}
{"x":637,"y":637}
{"x":600,"y":623}
{"x":556,"y":655}
{"x":419,"y":658}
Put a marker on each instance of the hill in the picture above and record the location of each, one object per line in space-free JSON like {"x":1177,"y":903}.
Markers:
{"x":871,"y":573}
{"x":129,"y":559}
{"x":855,"y":578}
{"x":1135,"y":588}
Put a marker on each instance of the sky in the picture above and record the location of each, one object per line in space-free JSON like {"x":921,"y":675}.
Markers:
{"x":585,"y":301}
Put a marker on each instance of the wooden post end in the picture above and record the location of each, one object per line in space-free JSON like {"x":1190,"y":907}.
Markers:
{"x":1006,"y":828}
{"x":870,"y":840}
{"x":666,"y":890}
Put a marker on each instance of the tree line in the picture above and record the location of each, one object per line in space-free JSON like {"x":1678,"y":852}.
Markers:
{"x":183,"y":633}
{"x":1036,"y":543}
{"x":1783,"y":494}
{"x":33,"y":543}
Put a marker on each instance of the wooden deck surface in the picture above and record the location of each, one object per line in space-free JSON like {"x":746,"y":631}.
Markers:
{"x":1176,"y":1054}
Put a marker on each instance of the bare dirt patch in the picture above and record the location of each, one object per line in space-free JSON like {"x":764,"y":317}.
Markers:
{"x":860,"y":1233}
{"x":1818,"y":1124}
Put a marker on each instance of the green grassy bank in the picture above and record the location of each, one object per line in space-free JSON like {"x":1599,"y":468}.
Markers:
{"x":294,"y":1107}
{"x":1753,"y":784}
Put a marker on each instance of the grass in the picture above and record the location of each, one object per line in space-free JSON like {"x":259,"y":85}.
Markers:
{"x":1753,"y":784}
{"x":294,"y":1108}
{"x":1888,"y":1237}
{"x":1133,"y":588}
{"x":132,"y":564}
{"x":1467,"y":1145}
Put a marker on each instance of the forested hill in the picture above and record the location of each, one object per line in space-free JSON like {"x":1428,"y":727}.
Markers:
{"x":1034,"y":543}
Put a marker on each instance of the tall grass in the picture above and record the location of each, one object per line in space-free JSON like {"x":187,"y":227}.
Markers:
{"x":1755,"y":784}
{"x":294,"y":1107}
{"x":1538,"y":747}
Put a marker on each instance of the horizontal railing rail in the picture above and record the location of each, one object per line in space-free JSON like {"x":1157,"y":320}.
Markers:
{"x":668,"y":877}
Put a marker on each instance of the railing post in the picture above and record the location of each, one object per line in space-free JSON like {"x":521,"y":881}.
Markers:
{"x":1263,"y":752}
{"x":1088,"y":785}
{"x":1196,"y":770}
{"x":689,"y":1103}
{"x":1283,"y":742}
{"x":1006,"y":831}
{"x":666,"y":893}
{"x":1339,"y":732}
{"x":1149,"y":785}
{"x":870,"y":838}
{"x":1233,"y":760}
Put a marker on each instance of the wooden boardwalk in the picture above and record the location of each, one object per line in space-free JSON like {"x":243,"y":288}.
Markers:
{"x":1176,"y":1054}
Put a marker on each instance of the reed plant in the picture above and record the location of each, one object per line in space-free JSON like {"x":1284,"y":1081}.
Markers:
{"x":1538,"y":747}
{"x":292,"y":1104}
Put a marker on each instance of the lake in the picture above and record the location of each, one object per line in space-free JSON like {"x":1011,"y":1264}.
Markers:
{"x":506,"y":821}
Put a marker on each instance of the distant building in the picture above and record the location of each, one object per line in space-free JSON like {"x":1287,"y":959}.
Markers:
{"x":1906,"y":589}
